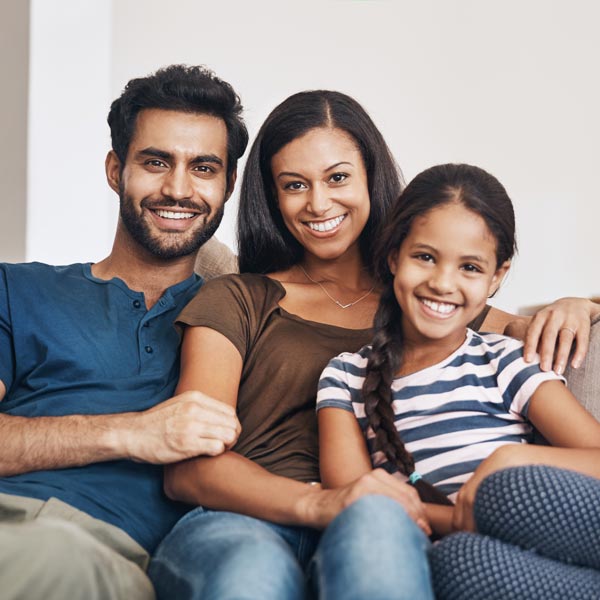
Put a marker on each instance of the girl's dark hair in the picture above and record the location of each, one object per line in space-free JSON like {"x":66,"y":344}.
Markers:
{"x":479,"y":192}
{"x":191,"y":89}
{"x":264,"y":242}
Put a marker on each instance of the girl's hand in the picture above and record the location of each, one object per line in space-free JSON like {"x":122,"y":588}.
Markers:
{"x":502,"y":458}
{"x":554,"y":330}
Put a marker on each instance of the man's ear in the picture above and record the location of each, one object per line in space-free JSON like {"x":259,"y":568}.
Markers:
{"x":392,"y":261}
{"x":498,"y":277}
{"x":113,"y":169}
{"x":230,"y":185}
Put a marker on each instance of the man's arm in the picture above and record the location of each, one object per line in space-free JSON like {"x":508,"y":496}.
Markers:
{"x":187,"y":425}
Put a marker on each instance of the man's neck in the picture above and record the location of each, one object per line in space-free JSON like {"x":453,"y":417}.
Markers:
{"x":143,"y":272}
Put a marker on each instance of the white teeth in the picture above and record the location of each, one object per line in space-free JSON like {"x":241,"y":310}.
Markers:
{"x":169,"y":214}
{"x":326,"y":225}
{"x":440,"y":307}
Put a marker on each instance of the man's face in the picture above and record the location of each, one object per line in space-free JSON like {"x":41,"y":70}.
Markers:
{"x":173,"y":185}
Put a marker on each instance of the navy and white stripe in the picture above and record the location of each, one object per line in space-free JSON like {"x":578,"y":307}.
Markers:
{"x":451,"y":415}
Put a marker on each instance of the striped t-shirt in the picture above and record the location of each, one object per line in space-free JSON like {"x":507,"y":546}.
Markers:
{"x":451,"y":415}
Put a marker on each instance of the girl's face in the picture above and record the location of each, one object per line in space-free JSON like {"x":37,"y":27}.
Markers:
{"x":444,"y":271}
{"x":322,"y":192}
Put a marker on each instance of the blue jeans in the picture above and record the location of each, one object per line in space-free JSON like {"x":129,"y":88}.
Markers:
{"x":371,"y":550}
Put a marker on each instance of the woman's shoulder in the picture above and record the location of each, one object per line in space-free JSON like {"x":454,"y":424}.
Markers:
{"x":250,"y":285}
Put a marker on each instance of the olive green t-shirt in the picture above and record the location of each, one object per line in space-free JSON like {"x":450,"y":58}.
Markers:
{"x":283,"y":356}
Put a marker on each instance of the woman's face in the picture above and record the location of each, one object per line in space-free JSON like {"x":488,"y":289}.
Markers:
{"x":322,"y":192}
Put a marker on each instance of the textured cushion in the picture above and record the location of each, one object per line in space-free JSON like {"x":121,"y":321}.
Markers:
{"x":215,"y":258}
{"x":585,"y":381}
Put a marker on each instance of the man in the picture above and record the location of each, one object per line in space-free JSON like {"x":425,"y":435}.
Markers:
{"x":89,"y":355}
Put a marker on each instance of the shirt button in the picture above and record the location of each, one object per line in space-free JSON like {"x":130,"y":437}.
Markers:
{"x":147,"y":324}
{"x":149,"y":349}
{"x":136,"y":304}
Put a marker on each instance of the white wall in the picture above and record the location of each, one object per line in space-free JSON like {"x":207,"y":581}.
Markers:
{"x":509,"y":85}
{"x":70,"y":212}
{"x":14,"y":61}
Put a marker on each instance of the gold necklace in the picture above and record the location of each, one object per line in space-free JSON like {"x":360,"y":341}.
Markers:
{"x":344,"y":306}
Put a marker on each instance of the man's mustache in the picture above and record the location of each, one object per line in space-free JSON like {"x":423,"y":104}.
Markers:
{"x":166,"y":202}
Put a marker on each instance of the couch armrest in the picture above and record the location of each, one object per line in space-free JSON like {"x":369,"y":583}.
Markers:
{"x":585,"y":381}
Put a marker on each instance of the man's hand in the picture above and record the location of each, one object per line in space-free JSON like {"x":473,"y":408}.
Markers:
{"x":322,"y":506}
{"x":187,"y":425}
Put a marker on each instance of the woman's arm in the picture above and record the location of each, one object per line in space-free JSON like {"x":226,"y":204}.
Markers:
{"x":559,"y":417}
{"x":551,"y":332}
{"x":211,"y":364}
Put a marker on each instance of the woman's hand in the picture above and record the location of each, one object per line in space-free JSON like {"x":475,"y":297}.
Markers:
{"x":322,"y":506}
{"x":554,"y":330}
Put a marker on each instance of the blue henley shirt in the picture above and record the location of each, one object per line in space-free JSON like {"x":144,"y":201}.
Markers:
{"x":74,"y":344}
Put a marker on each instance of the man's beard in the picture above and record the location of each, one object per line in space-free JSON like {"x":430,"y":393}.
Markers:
{"x":168,"y":245}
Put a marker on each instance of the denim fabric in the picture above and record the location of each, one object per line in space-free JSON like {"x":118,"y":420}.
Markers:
{"x":371,"y":550}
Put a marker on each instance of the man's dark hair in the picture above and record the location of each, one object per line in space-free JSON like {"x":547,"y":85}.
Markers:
{"x":190,"y":89}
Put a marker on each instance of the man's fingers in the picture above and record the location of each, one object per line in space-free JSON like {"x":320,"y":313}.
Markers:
{"x":228,"y":435}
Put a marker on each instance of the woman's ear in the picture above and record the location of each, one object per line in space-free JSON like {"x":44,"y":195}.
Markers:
{"x":392,"y":261}
{"x":498,"y":277}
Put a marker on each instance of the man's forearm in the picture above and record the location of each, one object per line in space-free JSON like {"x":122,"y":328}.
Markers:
{"x":187,"y":425}
{"x":39,"y":443}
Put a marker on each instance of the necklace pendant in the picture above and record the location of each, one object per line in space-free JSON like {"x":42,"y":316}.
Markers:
{"x":344,"y":305}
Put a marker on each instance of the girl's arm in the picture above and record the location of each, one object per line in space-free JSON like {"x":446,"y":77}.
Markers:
{"x":551,"y":332}
{"x":344,"y":457}
{"x":211,"y":364}
{"x":559,"y":417}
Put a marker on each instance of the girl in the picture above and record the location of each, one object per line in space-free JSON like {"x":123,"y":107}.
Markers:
{"x":443,"y":407}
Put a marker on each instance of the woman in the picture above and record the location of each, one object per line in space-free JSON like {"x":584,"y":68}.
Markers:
{"x":318,"y":183}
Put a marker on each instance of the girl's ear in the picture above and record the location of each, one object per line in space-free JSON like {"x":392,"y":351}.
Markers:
{"x":392,"y":261}
{"x":498,"y":278}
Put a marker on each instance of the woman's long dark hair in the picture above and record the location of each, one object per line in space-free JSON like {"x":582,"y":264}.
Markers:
{"x":477,"y":191}
{"x":264,"y":243}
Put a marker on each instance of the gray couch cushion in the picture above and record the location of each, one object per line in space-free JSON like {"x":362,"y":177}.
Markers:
{"x":585,"y":381}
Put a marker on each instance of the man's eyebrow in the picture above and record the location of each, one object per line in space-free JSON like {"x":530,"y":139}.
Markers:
{"x":156,"y":153}
{"x":207,"y":158}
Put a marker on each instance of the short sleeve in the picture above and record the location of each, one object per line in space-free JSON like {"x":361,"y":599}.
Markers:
{"x":518,"y":380}
{"x":334,"y":389}
{"x":233,"y":305}
{"x":7,"y":359}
